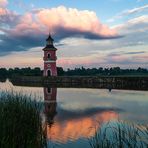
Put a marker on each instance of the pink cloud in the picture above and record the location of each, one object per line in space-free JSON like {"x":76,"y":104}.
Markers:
{"x":8,"y":18}
{"x":73,"y":19}
{"x":62,"y":22}
{"x":79,"y":61}
{"x":142,"y":58}
{"x":73,"y":62}
{"x":3,"y":3}
{"x":119,"y":58}
{"x":3,"y":11}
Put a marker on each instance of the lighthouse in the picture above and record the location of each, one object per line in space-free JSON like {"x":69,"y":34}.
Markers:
{"x":50,"y":58}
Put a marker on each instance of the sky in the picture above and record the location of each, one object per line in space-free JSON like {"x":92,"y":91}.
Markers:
{"x":88,"y":33}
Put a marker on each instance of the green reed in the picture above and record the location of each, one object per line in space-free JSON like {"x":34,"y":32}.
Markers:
{"x":20,"y":122}
{"x":120,"y":135}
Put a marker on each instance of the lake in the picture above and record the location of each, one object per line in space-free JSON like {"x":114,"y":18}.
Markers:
{"x":71,"y":115}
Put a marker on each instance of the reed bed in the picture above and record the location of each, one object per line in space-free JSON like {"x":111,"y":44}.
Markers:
{"x":120,"y":134}
{"x":20,"y":122}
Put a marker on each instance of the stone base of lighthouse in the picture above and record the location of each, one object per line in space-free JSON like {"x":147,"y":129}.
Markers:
{"x":50,"y":69}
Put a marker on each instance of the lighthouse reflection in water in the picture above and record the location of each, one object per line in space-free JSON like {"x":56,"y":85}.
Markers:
{"x":50,"y":104}
{"x":71,"y":128}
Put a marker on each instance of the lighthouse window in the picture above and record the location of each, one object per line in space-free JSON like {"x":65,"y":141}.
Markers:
{"x":48,"y":56}
{"x":49,"y":73}
{"x":49,"y":90}
{"x":49,"y":42}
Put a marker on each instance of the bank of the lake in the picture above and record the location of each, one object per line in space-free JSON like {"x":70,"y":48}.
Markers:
{"x":110,"y":82}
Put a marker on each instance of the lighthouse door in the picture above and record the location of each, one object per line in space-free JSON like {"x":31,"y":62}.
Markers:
{"x":49,"y":73}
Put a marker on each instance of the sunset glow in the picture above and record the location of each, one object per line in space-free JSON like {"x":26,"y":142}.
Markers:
{"x":110,"y":33}
{"x":78,"y":128}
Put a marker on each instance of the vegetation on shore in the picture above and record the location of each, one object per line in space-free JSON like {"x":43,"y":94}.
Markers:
{"x":120,"y":135}
{"x":20,"y":122}
{"x":115,"y":71}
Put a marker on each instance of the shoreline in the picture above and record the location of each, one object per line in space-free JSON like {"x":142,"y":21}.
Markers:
{"x":111,"y":82}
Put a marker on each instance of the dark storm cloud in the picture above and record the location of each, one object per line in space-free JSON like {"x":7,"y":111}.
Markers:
{"x":140,"y":52}
{"x":61,"y":32}
{"x":121,"y":53}
{"x":11,"y":43}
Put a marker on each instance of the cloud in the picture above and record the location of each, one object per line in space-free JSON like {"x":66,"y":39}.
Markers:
{"x":8,"y":19}
{"x":139,"y":1}
{"x":76,"y":38}
{"x":129,"y":12}
{"x":138,"y":52}
{"x":140,"y":60}
{"x":3,"y":3}
{"x":135,"y":10}
{"x":129,"y":50}
{"x":136,"y":26}
{"x":134,"y":32}
{"x":30,"y":30}
{"x":74,"y":22}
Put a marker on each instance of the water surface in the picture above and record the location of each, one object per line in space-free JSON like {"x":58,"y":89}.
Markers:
{"x":71,"y":115}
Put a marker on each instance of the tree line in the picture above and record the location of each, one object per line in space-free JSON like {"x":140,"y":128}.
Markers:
{"x":114,"y":71}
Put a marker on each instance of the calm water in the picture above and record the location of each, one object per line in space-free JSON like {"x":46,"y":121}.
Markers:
{"x":71,"y":115}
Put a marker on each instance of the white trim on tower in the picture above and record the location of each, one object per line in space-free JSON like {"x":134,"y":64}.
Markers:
{"x":49,"y":61}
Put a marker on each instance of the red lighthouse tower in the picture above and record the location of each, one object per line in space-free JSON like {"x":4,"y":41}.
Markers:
{"x":50,"y":58}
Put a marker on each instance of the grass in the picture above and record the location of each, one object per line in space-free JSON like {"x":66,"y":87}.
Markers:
{"x":20,"y":122}
{"x":120,"y":135}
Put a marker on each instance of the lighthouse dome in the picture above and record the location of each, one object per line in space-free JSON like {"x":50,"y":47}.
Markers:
{"x":49,"y":44}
